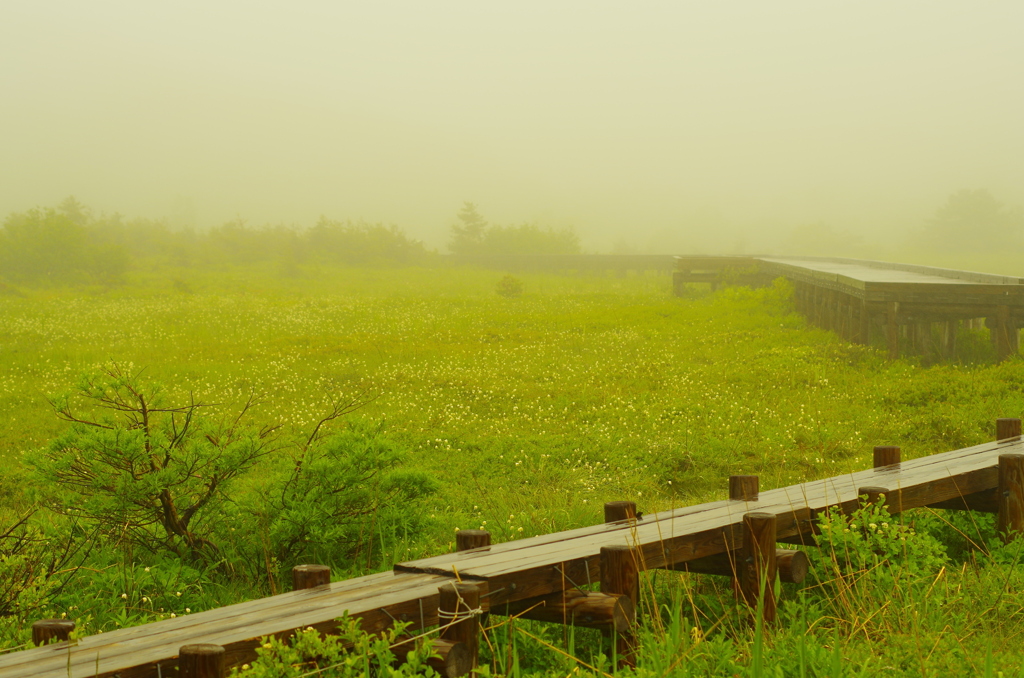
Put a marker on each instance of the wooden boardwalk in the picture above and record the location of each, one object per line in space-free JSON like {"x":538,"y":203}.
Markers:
{"x":547,"y":573}
{"x":918,"y":309}
{"x":586,"y":264}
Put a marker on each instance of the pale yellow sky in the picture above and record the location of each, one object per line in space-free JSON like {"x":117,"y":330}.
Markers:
{"x":668,"y":124}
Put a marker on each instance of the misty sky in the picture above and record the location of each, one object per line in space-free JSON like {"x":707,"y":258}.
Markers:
{"x":663,"y":123}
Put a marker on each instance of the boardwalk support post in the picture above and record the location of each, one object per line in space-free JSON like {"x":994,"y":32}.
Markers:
{"x":758,"y":563}
{"x":458,"y":614}
{"x":202,"y":660}
{"x":51,"y":630}
{"x":310,"y":576}
{"x":892,"y":329}
{"x":620,"y":575}
{"x":1010,"y":495}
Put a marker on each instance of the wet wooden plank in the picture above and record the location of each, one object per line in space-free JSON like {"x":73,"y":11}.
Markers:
{"x":676,"y":536}
{"x":816,"y":494}
{"x":138,"y":651}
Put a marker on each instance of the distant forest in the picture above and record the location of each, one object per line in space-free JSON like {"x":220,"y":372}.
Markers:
{"x":68,"y":245}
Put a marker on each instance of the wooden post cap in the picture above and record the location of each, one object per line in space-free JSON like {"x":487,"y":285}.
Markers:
{"x":471,"y":539}
{"x":1007,"y":428}
{"x":202,"y":660}
{"x":615,"y":511}
{"x":51,"y":630}
{"x":310,"y":576}
{"x":792,"y":565}
{"x":743,"y":488}
{"x":886,"y":455}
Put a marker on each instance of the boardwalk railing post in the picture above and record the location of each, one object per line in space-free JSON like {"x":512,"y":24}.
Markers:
{"x":471,"y":539}
{"x":1010,"y":495}
{"x":615,"y":511}
{"x":758,"y":564}
{"x":201,"y":661}
{"x":743,"y":488}
{"x":886,"y":455}
{"x":310,"y":576}
{"x":1007,"y":429}
{"x":458,"y":616}
{"x":620,"y":574}
{"x":46,"y":630}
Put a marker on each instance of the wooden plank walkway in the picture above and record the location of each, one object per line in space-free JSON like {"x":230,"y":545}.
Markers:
{"x":917,"y":308}
{"x":527,"y":569}
{"x":151,"y":650}
{"x":551,"y":563}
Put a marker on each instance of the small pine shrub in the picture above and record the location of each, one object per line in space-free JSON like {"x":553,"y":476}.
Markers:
{"x":509,"y":287}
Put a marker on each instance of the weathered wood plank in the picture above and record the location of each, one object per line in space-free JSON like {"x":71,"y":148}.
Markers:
{"x":674,"y":538}
{"x":137,"y":652}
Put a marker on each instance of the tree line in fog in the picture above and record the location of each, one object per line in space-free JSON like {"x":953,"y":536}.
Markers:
{"x":69,"y":245}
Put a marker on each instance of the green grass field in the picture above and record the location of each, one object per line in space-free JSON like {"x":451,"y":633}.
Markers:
{"x":530,"y":413}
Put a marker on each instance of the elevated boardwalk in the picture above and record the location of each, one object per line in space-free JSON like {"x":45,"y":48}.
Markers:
{"x":585,"y":264}
{"x":917,"y":309}
{"x":544,"y":577}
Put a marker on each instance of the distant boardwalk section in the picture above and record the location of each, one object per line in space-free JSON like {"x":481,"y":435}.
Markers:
{"x":592,"y":264}
{"x":918,"y":309}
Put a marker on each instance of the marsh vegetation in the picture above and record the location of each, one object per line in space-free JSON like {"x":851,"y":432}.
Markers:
{"x":170,"y":450}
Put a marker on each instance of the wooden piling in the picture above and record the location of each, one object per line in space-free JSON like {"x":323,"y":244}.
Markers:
{"x":458,"y":611}
{"x":743,"y":488}
{"x":310,"y":576}
{"x":886,"y":455}
{"x":1007,"y":429}
{"x":1003,"y":332}
{"x":616,"y":511}
{"x":949,"y":330}
{"x":620,"y":575}
{"x":863,"y":334}
{"x":1010,"y":495}
{"x":922,"y":338}
{"x":471,"y":539}
{"x":202,"y":660}
{"x":46,"y":631}
{"x":759,"y":565}
{"x":892,"y":329}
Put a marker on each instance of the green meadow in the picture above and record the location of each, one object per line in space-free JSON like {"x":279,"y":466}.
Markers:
{"x":522,"y":416}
